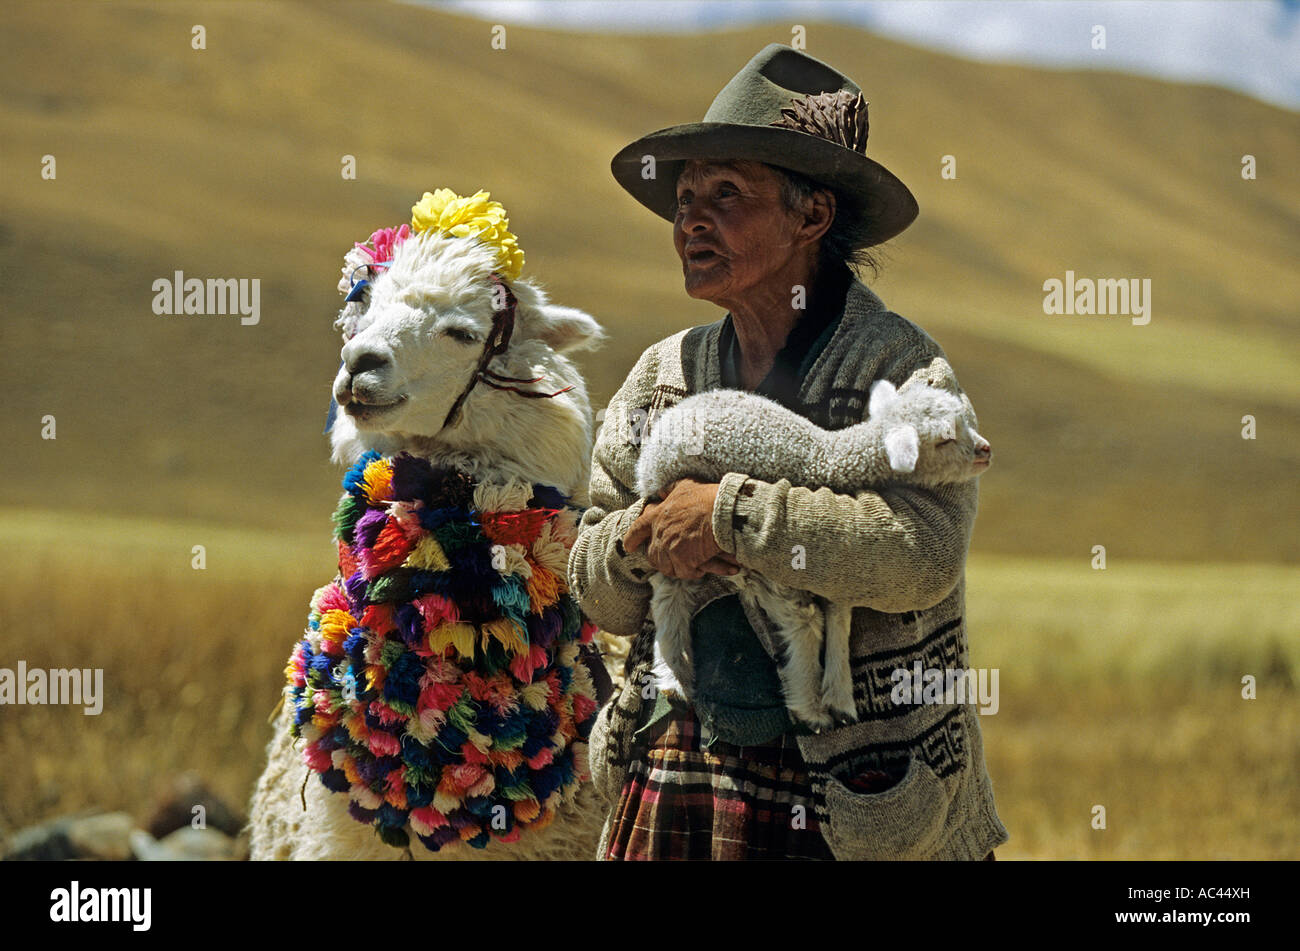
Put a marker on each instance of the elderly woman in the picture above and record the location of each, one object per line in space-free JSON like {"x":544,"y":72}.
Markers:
{"x":773,"y":201}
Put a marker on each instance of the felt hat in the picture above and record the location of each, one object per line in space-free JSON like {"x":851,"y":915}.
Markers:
{"x":787,"y":109}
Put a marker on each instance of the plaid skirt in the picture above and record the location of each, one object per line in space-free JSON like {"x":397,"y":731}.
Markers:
{"x":681,"y":801}
{"x":728,"y":802}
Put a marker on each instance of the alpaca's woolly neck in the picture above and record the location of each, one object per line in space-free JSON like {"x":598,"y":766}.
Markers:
{"x":439,"y":682}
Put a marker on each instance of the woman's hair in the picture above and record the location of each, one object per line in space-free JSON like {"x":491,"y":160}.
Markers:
{"x":844,"y":242}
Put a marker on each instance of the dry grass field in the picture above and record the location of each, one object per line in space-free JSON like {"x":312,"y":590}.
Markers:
{"x":1118,"y":687}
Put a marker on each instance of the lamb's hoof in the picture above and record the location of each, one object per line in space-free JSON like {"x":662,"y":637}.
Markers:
{"x":840,"y":703}
{"x":679,"y":693}
{"x":843,"y":716}
{"x":816,"y":723}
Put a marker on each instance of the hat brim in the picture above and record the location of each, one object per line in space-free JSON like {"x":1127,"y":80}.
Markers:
{"x":870,"y":190}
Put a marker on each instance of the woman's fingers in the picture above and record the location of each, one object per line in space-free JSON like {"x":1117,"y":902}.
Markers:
{"x":720,"y":565}
{"x":678,"y":533}
{"x":641,"y":528}
{"x":636,"y":535}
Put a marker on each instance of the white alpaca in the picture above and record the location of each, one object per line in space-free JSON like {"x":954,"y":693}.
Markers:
{"x":919,"y":435}
{"x":413,"y":349}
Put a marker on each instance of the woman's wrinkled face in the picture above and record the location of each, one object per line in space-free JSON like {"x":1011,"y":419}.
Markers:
{"x":732,"y":230}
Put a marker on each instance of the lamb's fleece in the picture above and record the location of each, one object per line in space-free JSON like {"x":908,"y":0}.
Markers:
{"x":710,"y":434}
{"x":919,"y":435}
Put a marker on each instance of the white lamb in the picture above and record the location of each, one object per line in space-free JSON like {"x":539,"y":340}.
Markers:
{"x":918,"y":435}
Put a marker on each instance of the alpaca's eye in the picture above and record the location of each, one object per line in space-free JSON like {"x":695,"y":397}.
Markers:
{"x":460,"y":336}
{"x":945,"y":442}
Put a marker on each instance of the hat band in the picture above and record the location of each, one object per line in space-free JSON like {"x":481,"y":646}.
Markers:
{"x":839,"y":117}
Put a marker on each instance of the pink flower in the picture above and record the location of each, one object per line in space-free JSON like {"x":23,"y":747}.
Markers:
{"x":381,"y":245}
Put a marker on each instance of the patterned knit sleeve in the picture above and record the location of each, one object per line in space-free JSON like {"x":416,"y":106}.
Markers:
{"x":609,"y":582}
{"x":898,"y":549}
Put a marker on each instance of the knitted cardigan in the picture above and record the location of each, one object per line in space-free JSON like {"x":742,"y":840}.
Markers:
{"x":896,"y":555}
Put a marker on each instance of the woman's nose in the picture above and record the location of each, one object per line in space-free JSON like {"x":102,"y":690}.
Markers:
{"x":692,"y":216}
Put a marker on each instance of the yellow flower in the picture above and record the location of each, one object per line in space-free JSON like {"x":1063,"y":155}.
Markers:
{"x":475,"y":216}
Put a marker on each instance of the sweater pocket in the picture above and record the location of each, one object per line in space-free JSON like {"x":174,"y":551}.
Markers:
{"x":902,"y":822}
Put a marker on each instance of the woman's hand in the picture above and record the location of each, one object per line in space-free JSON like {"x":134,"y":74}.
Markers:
{"x":679,"y":532}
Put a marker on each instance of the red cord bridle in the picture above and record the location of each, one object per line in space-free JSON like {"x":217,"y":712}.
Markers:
{"x":503,"y":328}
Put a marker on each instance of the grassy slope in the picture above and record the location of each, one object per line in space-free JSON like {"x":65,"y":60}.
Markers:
{"x":224,"y":162}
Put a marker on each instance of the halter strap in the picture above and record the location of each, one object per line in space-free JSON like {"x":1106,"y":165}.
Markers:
{"x":503,"y":328}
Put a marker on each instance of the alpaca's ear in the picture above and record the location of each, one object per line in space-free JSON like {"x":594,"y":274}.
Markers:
{"x":882,"y":394}
{"x":562,"y":328}
{"x":567,"y":328}
{"x":902,"y":447}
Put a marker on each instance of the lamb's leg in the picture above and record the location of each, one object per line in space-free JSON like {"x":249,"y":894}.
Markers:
{"x":799,"y":623}
{"x":837,"y":678}
{"x":670,"y":607}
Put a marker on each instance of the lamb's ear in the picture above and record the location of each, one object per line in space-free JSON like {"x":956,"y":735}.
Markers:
{"x":882,"y":394}
{"x":902,"y":448}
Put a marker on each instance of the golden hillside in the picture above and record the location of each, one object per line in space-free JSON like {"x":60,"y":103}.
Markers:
{"x":225,"y":162}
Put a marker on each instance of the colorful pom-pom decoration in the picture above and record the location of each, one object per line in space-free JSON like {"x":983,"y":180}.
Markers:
{"x":439,"y":683}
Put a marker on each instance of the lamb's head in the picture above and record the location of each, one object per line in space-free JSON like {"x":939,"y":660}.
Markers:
{"x":414,"y":338}
{"x":928,"y":432}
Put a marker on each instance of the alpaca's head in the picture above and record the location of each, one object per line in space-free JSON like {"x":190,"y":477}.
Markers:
{"x":412,"y":346}
{"x":929,"y":432}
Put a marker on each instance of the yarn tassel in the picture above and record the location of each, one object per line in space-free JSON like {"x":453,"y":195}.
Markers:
{"x":377,"y":482}
{"x":508,"y":633}
{"x":436,"y":682}
{"x":543,"y":587}
{"x":458,"y":635}
{"x":390,"y":548}
{"x":428,"y":554}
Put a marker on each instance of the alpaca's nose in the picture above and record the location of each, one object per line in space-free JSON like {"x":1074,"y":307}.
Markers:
{"x":365,"y":360}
